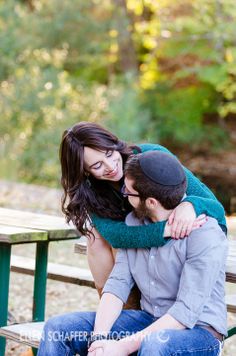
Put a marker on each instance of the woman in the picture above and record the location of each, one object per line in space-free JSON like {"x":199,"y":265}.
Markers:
{"x":92,"y":161}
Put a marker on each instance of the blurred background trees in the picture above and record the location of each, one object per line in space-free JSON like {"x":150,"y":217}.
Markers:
{"x":161,"y":71}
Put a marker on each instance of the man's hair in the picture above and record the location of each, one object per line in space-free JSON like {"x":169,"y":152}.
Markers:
{"x":168,"y":196}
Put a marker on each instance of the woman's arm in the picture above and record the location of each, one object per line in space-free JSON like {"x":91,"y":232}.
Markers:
{"x":119,"y":235}
{"x":100,"y":259}
{"x":203,"y":200}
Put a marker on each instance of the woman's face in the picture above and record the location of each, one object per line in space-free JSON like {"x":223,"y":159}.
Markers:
{"x":104,"y":165}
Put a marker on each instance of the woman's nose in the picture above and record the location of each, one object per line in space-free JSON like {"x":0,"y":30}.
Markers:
{"x":109,"y":165}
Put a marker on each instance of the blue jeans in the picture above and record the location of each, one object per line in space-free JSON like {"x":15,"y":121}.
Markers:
{"x":66,"y":335}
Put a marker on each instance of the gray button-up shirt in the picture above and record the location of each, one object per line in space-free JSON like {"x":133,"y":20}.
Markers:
{"x":185,"y":278}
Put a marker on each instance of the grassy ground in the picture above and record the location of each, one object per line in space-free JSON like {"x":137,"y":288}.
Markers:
{"x":61,"y":297}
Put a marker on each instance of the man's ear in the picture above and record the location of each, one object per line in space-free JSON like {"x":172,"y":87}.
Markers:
{"x":151,"y":203}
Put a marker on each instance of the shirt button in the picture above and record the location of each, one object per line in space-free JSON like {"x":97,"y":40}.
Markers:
{"x":152,"y":283}
{"x":152,"y":257}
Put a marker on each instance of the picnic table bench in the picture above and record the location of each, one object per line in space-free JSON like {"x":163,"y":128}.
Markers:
{"x":18,"y":227}
{"x":54,"y":229}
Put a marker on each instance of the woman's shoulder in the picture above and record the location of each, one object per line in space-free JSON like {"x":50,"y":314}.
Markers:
{"x":152,"y":147}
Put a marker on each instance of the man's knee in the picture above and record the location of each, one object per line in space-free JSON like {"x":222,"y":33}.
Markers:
{"x":53,"y":328}
{"x":68,"y":326}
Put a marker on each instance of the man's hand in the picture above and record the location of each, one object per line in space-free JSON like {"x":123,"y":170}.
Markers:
{"x":183,"y":220}
{"x":108,"y":348}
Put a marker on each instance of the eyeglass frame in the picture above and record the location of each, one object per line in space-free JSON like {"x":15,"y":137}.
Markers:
{"x":127,"y":194}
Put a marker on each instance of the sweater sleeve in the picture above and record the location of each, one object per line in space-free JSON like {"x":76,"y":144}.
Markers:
{"x":119,"y":235}
{"x":203,"y":200}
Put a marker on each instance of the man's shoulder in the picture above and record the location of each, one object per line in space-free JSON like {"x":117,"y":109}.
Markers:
{"x":210,"y":226}
{"x":209,"y":234}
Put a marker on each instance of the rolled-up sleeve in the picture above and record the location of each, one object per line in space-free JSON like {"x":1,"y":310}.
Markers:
{"x":120,"y":280}
{"x":206,"y":257}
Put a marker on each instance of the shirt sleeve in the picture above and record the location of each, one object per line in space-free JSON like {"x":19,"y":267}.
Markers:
{"x":120,"y":281}
{"x":206,"y":257}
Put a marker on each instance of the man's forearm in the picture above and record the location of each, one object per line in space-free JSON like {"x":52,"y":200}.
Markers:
{"x":108,"y":311}
{"x":133,"y":342}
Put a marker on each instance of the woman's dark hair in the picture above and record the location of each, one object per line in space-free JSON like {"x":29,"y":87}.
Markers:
{"x":82,"y":195}
{"x":169,"y":196}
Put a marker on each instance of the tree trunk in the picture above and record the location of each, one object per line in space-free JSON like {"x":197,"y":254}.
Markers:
{"x":128,"y":58}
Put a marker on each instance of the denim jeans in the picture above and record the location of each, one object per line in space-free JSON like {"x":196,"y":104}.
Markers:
{"x":66,"y":335}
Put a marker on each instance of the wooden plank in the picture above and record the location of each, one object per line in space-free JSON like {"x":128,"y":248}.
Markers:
{"x":81,"y":248}
{"x":231,"y":303}
{"x":55,"y":226}
{"x":231,"y":263}
{"x":25,"y":333}
{"x":231,"y":223}
{"x":15,"y":235}
{"x":58,"y":272}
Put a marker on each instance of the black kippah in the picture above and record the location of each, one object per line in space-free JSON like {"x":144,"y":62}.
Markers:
{"x":162,"y":168}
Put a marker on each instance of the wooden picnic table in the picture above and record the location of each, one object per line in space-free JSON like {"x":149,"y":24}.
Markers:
{"x":19,"y":227}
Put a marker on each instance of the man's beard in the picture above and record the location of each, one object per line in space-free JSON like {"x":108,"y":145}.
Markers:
{"x":142,"y":212}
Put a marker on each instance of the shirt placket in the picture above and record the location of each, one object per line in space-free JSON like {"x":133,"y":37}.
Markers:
{"x":153,"y":282}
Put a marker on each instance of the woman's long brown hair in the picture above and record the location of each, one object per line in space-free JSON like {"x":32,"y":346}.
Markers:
{"x":83,"y":196}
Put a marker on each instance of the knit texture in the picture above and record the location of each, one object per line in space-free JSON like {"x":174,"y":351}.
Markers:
{"x":119,"y":235}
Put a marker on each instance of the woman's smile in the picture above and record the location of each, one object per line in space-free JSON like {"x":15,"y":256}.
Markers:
{"x":104,"y":165}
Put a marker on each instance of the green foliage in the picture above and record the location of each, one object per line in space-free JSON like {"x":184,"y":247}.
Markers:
{"x":126,"y":115}
{"x":66,"y":61}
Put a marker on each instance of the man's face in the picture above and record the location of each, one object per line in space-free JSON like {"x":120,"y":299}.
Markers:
{"x":134,"y":200}
{"x":139,"y":206}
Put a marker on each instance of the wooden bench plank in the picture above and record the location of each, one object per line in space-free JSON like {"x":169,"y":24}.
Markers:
{"x":230,"y":300}
{"x":25,"y":333}
{"x":80,"y":248}
{"x":14,"y":235}
{"x":57,"y":272}
{"x":54,"y":225}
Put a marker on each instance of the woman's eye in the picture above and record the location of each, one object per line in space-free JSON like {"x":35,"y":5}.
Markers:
{"x":109,"y":153}
{"x":97,"y":166}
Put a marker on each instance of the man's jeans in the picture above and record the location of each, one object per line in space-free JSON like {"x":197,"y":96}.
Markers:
{"x":66,"y":335}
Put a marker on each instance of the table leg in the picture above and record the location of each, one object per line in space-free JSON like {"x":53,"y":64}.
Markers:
{"x":5,"y":258}
{"x":40,"y":281}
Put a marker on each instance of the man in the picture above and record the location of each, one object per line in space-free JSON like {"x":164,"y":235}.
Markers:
{"x":182,"y":283}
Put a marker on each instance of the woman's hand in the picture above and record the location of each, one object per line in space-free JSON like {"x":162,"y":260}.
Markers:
{"x":108,"y":348}
{"x":183,"y":220}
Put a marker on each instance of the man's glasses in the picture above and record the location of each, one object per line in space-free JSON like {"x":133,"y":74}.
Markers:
{"x":126,"y":194}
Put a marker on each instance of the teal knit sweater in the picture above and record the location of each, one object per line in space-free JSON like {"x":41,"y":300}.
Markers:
{"x":119,"y":235}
